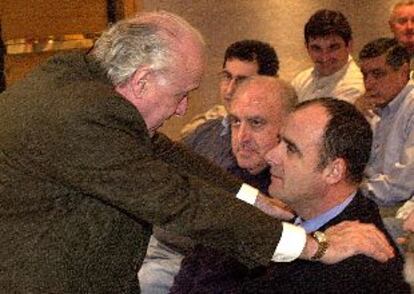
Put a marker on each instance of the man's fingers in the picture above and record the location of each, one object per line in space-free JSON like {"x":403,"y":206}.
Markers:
{"x":378,"y":241}
{"x":351,"y":238}
{"x":401,"y":240}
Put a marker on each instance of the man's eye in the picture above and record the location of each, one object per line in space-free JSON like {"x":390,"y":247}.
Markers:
{"x":278,"y":140}
{"x":238,"y":80}
{"x":378,"y":74}
{"x":315,"y":49}
{"x":256,"y":123}
{"x":402,"y":20}
{"x":225,"y":76}
{"x":335,"y":47}
{"x":234,"y":122}
{"x":290,"y":148}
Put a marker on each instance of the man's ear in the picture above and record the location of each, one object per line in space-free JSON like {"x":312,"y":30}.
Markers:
{"x":138,"y":81}
{"x":350,"y":46}
{"x":405,"y":70}
{"x":335,"y":171}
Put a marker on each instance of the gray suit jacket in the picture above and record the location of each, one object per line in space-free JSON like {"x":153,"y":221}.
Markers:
{"x":81,"y":183}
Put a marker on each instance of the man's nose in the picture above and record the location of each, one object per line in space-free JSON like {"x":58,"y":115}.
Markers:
{"x":369,"y":83}
{"x":182,"y":107}
{"x":231,"y":87}
{"x":324,"y":56}
{"x":243,"y":133}
{"x":272,"y":157}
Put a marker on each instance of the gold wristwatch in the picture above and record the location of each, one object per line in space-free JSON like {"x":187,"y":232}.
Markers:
{"x":320,"y":238}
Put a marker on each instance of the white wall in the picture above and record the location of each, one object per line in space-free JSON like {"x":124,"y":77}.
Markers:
{"x":278,"y":22}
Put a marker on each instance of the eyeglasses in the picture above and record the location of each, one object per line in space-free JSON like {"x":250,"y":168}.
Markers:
{"x":227,"y":77}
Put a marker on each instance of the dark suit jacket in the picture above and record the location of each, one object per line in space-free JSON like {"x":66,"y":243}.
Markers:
{"x":207,"y":271}
{"x":81,"y":183}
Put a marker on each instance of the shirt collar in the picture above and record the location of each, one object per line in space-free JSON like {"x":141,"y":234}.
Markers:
{"x":317,"y":222}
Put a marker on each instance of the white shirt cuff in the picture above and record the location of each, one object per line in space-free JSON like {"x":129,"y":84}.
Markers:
{"x":247,"y":194}
{"x":291,"y":243}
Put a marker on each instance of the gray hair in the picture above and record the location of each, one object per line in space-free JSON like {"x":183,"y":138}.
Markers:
{"x":146,"y":39}
{"x":398,"y":5}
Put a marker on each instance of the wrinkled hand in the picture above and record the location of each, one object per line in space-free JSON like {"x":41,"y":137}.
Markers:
{"x":352,"y":238}
{"x":408,"y":224}
{"x":273,"y":207}
{"x":364,"y":106}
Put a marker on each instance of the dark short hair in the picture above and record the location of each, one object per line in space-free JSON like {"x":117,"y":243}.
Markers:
{"x":348,"y":135}
{"x":328,"y":22}
{"x":395,"y":54}
{"x":253,"y":50}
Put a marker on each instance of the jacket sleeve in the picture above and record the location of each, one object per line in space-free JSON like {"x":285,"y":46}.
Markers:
{"x":182,"y":158}
{"x":103,"y":151}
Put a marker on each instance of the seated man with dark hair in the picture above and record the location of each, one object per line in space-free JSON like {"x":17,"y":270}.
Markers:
{"x":390,"y":96}
{"x":315,"y":168}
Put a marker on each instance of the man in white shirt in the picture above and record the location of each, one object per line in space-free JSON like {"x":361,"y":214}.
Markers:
{"x":328,"y":40}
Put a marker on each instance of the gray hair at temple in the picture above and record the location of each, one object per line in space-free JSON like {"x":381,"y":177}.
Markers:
{"x":274,"y":86}
{"x":150,"y":38}
{"x":398,"y":5}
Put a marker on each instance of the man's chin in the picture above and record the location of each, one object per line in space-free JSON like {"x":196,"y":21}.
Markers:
{"x":327,"y":71}
{"x":252,"y":169}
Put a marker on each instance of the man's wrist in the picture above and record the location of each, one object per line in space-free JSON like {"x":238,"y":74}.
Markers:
{"x":315,"y":247}
{"x":311,"y":247}
{"x":322,"y":241}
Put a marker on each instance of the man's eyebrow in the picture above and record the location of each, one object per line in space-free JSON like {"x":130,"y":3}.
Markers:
{"x":335,"y":44}
{"x":315,"y":46}
{"x":291,"y":144}
{"x":256,"y":118}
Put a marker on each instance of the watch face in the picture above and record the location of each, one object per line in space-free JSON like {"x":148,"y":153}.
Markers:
{"x":322,"y":245}
{"x":320,"y":236}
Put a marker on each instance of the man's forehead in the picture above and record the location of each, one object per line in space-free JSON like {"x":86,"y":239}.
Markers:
{"x":256,"y":94}
{"x":326,"y":39}
{"x":373,"y":63}
{"x":307,"y":122}
{"x":250,"y":100}
{"x":238,"y":65}
{"x":403,"y":10}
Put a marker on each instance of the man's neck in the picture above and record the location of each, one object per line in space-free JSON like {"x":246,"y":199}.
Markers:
{"x":311,"y":209}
